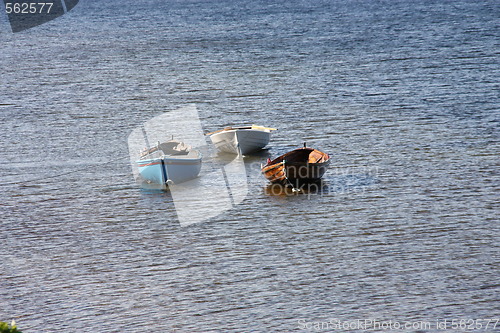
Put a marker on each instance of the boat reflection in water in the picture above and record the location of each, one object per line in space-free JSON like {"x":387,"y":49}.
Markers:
{"x":303,"y":188}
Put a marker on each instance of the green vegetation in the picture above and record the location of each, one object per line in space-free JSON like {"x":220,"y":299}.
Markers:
{"x":6,"y":328}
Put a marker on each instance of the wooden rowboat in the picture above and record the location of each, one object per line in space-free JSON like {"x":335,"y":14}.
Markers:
{"x":297,"y":166}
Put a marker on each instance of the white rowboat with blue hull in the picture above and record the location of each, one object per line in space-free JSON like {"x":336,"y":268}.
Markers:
{"x":169,"y":162}
{"x":241,"y":140}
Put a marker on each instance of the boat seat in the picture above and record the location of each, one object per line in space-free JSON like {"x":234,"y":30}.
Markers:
{"x":174,"y":148}
{"x":183,"y":152}
{"x":315,"y":157}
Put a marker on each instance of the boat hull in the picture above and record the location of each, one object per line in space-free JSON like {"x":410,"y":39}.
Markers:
{"x":163,"y":170}
{"x":300,"y":165}
{"x":241,"y":141}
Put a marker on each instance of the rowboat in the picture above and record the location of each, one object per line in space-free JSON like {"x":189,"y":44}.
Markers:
{"x":299,"y":165}
{"x":241,"y":140}
{"x":169,"y":162}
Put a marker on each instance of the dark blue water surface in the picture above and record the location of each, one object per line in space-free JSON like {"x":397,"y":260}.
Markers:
{"x":404,"y":95}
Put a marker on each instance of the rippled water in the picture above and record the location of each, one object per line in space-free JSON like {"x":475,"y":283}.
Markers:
{"x":403,"y":95}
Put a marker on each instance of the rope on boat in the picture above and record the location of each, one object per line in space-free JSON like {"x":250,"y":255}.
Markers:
{"x":288,"y":180}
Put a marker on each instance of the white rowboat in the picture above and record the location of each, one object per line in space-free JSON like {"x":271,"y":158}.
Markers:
{"x":169,"y":162}
{"x":241,"y":140}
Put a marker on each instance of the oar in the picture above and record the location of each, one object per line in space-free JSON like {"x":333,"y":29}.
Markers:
{"x":224,"y":129}
{"x":243,"y":127}
{"x":265,"y":128}
{"x":229,"y":129}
